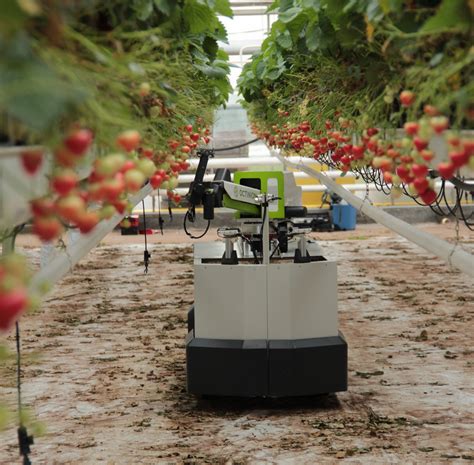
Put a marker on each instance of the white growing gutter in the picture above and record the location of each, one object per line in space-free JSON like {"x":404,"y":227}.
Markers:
{"x":68,"y":258}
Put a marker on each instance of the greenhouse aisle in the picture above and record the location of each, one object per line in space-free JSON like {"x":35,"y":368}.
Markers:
{"x":132,"y":131}
{"x":110,"y":381}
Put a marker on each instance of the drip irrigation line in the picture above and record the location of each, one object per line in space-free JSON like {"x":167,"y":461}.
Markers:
{"x":441,"y":206}
{"x":223,"y":149}
{"x":465,"y":186}
{"x":190,"y":215}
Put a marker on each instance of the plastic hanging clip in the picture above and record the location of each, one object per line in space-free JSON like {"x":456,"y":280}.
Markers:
{"x":146,"y":259}
{"x":161,"y":222}
{"x":25,"y":441}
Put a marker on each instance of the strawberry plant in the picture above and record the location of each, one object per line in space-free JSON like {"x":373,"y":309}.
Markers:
{"x":136,"y":82}
{"x":142,"y":77}
{"x":336,"y":81}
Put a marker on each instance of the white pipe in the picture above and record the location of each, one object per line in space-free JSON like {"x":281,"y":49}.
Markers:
{"x":65,"y":261}
{"x":450,"y":253}
{"x":188,"y":178}
{"x":243,"y":162}
{"x":251,"y":48}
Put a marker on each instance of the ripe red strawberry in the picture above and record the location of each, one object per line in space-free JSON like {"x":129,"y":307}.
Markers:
{"x":31,"y":160}
{"x":347,"y":149}
{"x":446,"y":170}
{"x":175,"y":166}
{"x":64,"y":182}
{"x":47,"y":228}
{"x":42,"y":207}
{"x":305,"y":126}
{"x":407,"y":98}
{"x":458,"y":158}
{"x":189,"y":128}
{"x":421,"y":184}
{"x":120,"y":206}
{"x":87,"y":221}
{"x":173,"y":144}
{"x":78,"y":141}
{"x":411,"y":128}
{"x":345,"y":159}
{"x":420,"y":143}
{"x":156,"y":181}
{"x":419,"y":170}
{"x":429,"y":196}
{"x":148,"y":153}
{"x":12,"y":304}
{"x":129,"y":140}
{"x":404,"y":173}
{"x":358,"y":152}
{"x":195,"y":137}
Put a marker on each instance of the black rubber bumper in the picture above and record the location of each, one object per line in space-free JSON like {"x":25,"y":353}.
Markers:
{"x":261,"y":368}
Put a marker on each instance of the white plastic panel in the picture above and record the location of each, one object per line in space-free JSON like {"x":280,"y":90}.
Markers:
{"x":230,"y":301}
{"x":302,"y":300}
{"x":293,"y":193}
{"x":272,"y":188}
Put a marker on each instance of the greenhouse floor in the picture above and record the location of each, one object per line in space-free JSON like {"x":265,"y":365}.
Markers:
{"x":108,"y":376}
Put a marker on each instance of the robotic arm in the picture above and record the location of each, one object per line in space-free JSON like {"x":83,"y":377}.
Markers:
{"x":220,"y":192}
{"x":207,"y":194}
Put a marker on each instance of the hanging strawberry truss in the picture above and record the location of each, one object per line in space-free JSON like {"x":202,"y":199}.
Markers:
{"x":124,"y":90}
{"x":132,"y":83}
{"x":381,"y":88}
